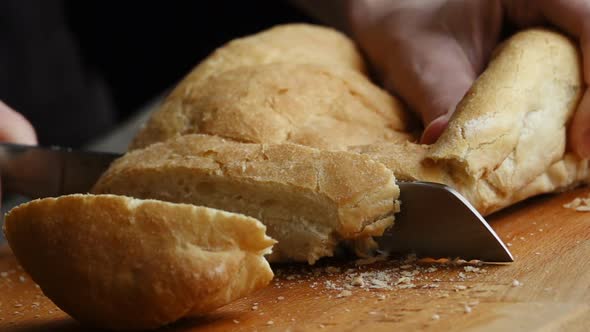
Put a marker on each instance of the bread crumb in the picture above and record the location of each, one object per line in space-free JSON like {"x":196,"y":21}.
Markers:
{"x":409,"y":273}
{"x":467,"y":309}
{"x":460,"y":287}
{"x":4,"y":274}
{"x":358,"y":281}
{"x":344,"y":293}
{"x":579,"y":204}
{"x":435,"y":317}
{"x":473,"y":269}
{"x":403,"y":280}
{"x":280,"y":298}
{"x":236,"y":321}
{"x":270,"y":322}
{"x":254,"y":307}
{"x":381,"y":297}
{"x":516,"y":283}
{"x":430,"y":286}
{"x":406,"y":286}
{"x":22,"y":278}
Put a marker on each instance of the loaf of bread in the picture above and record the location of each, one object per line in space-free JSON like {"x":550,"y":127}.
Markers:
{"x":121,"y":263}
{"x":505,"y":142}
{"x":309,"y":199}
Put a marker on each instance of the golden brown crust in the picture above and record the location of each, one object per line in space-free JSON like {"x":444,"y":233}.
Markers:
{"x":122,"y":263}
{"x":292,"y":84}
{"x":317,"y":106}
{"x":309,"y":199}
{"x":288,"y":43}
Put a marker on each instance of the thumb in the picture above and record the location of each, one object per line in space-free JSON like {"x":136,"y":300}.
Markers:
{"x":580,"y":128}
{"x":14,"y":127}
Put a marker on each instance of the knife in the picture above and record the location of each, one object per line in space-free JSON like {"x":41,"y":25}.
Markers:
{"x":36,"y":172}
{"x":437,"y":221}
{"x":434,"y":221}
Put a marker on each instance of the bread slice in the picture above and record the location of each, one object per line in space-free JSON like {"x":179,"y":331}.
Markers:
{"x":308,"y":199}
{"x":121,"y":263}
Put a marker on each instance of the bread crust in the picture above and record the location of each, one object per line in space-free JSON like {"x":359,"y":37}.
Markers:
{"x":297,"y":84}
{"x":121,"y":263}
{"x":308,"y":198}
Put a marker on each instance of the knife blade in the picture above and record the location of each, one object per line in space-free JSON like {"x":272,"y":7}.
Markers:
{"x":35,"y":171}
{"x":434,"y":221}
{"x":438,"y":222}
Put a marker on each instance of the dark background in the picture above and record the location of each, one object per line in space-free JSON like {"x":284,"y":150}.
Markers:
{"x":143,"y":47}
{"x":77,"y":68}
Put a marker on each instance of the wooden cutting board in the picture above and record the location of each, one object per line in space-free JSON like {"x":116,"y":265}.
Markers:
{"x":546,"y":288}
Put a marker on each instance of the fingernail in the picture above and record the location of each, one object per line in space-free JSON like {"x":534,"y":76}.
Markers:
{"x":435,"y":128}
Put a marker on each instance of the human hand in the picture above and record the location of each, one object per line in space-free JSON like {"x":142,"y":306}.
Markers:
{"x":430,"y":52}
{"x":14,"y":127}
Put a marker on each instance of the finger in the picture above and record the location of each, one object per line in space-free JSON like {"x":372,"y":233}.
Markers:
{"x":580,"y":128}
{"x":14,"y":127}
{"x":433,"y":131}
{"x":433,"y":82}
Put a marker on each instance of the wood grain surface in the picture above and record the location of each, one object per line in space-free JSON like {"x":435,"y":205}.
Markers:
{"x":547,"y":288}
